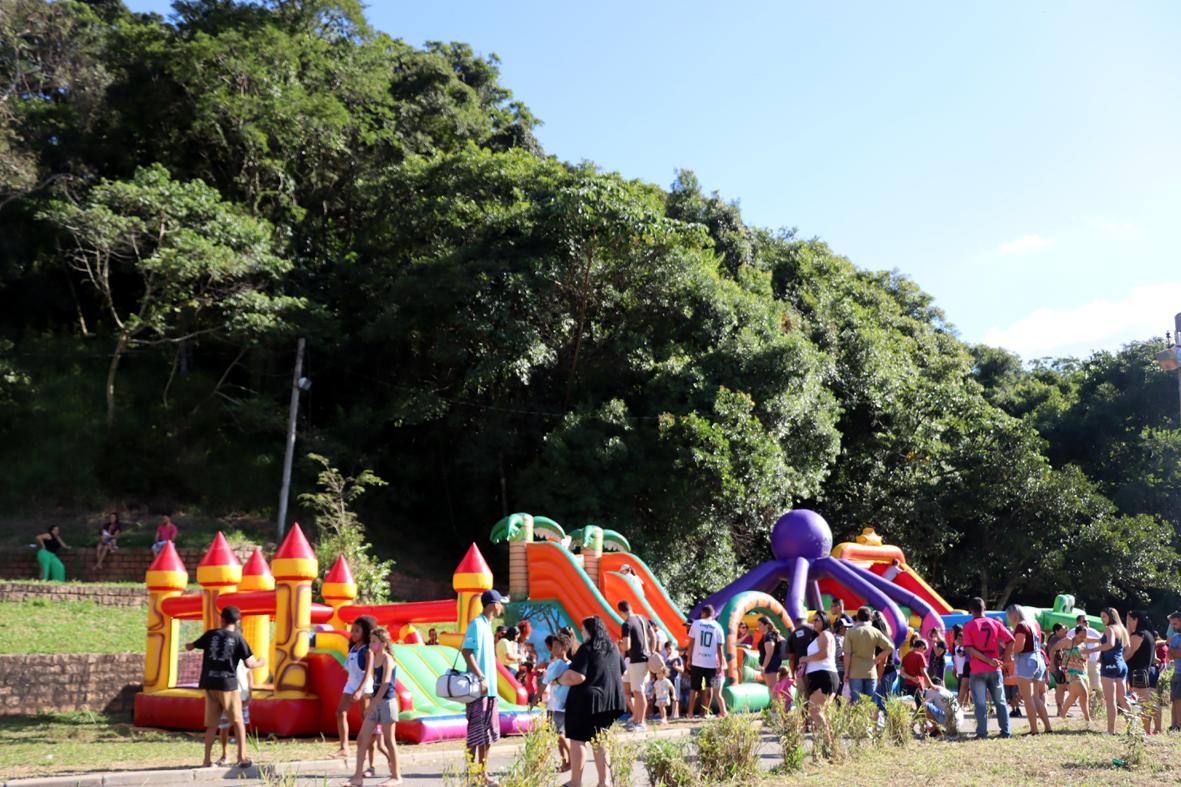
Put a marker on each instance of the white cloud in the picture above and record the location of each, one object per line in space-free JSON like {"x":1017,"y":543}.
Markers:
{"x":1099,"y":325}
{"x":1120,"y":230}
{"x":1026,"y":244}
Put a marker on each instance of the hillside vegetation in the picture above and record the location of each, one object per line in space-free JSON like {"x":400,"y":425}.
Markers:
{"x":491,"y":329}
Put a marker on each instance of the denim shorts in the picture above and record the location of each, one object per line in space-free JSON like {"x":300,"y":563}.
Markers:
{"x":1115,"y":671}
{"x":1031,"y":666}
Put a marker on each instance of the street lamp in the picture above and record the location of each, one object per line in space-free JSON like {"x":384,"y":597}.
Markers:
{"x":1170,"y":357}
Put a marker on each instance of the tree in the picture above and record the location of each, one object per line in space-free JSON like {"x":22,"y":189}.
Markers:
{"x":171,"y":262}
{"x":340,"y":532}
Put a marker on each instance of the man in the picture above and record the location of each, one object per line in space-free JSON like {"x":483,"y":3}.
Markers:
{"x":862,"y":659}
{"x":836,"y":611}
{"x":222,"y":649}
{"x":707,"y":661}
{"x":638,"y":643}
{"x":164,"y":533}
{"x":1175,"y":683}
{"x":984,"y":641}
{"x":1093,"y":659}
{"x":479,"y":652}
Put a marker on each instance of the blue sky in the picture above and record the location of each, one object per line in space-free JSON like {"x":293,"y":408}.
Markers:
{"x":1021,"y":161}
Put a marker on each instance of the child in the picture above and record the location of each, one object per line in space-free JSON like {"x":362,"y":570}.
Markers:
{"x":961,"y":663}
{"x":555,"y":694}
{"x":222,"y":649}
{"x":383,"y":709}
{"x":665,"y":695}
{"x":783,"y":687}
{"x":245,"y":684}
{"x":527,"y":677}
{"x":359,"y":684}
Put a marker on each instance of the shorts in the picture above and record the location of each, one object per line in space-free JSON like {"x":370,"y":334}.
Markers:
{"x":382,"y":711}
{"x":1031,"y":666}
{"x":1175,"y":686}
{"x":637,"y":676}
{"x":225,"y":723}
{"x":1114,"y":671}
{"x":824,"y":681}
{"x":583,"y":727}
{"x":701,"y":678}
{"x":1142,"y":679}
{"x":483,"y":722}
{"x":355,"y":683}
{"x":557,"y":719}
{"x":219,"y":702}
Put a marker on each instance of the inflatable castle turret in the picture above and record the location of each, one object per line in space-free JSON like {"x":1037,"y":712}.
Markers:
{"x":295,"y":568}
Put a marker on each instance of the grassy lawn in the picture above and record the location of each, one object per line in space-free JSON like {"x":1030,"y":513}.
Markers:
{"x":1069,"y":756}
{"x":38,"y":626}
{"x":77,"y":742}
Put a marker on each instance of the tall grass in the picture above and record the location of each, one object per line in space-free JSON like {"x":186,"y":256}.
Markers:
{"x":728,"y":748}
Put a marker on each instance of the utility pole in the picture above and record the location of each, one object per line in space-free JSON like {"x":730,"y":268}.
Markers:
{"x":1170,"y":358}
{"x":296,"y":379}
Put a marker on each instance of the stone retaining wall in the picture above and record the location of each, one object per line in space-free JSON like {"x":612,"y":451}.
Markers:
{"x":106,"y":682}
{"x":107,"y":595}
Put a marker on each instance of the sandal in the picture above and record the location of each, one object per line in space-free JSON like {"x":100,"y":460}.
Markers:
{"x":244,"y":764}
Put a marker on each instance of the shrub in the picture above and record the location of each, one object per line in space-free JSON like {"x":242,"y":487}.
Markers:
{"x":790,"y":731}
{"x":536,"y":765}
{"x":900,"y":719}
{"x":665,"y":763}
{"x":621,"y":754}
{"x":728,"y":748}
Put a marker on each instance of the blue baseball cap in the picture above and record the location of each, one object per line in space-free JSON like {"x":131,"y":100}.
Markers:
{"x":493,"y":597}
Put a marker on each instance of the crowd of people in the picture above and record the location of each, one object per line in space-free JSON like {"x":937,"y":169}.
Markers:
{"x":50,"y":544}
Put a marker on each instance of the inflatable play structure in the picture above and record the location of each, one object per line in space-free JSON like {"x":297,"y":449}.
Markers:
{"x":558,"y":579}
{"x":297,"y":691}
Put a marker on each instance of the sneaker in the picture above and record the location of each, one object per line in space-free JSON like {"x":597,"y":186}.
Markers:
{"x":629,"y":726}
{"x":640,"y":728}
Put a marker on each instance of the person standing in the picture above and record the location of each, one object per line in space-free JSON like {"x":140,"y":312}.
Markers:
{"x":707,"y":661}
{"x":165,"y":532}
{"x":222,"y":649}
{"x":1030,"y":665}
{"x":1175,"y":682}
{"x":1140,"y":656}
{"x":1113,"y":670}
{"x":358,"y":680}
{"x":1074,"y":665}
{"x":555,"y":693}
{"x":1093,"y":658}
{"x":479,"y":653}
{"x":382,"y":710}
{"x":984,"y":640}
{"x":836,"y":611}
{"x":49,"y":544}
{"x":638,"y":642}
{"x":820,"y":667}
{"x":863,"y":644}
{"x":1056,"y":666}
{"x":595,"y":701}
{"x":770,"y":652}
{"x":797,"y":648}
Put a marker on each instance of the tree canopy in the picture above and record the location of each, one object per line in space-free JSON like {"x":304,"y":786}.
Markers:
{"x":491,"y":329}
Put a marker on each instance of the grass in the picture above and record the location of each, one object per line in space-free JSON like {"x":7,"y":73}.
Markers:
{"x":1069,"y":756}
{"x":39,"y":626}
{"x":75,"y":742}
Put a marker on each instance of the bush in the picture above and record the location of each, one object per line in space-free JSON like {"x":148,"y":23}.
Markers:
{"x":789,"y":727}
{"x":728,"y":748}
{"x":536,"y":765}
{"x":340,"y":532}
{"x":665,"y":763}
{"x":621,"y":755}
{"x":900,"y":720}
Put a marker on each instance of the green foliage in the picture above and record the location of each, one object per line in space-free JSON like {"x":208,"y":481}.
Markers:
{"x":900,"y":716}
{"x":728,"y":748}
{"x":622,"y":754}
{"x":536,"y":764}
{"x":340,"y":532}
{"x":665,"y":762}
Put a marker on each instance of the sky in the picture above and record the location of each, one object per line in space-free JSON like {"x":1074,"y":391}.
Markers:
{"x":1021,"y":161}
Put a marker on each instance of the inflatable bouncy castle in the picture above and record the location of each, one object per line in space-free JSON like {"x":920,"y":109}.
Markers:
{"x":297,"y":691}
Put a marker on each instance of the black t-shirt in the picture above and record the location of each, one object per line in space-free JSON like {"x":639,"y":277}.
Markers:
{"x":52,"y":544}
{"x":801,"y":638}
{"x":223,"y":650}
{"x":635,"y":631}
{"x":602,"y":691}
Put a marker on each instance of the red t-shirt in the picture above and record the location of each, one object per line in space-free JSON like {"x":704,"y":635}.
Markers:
{"x":989,"y":636}
{"x":166,"y":532}
{"x":914,"y":663}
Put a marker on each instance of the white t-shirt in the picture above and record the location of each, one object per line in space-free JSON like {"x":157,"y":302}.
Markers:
{"x":706,"y":634}
{"x":1092,"y":633}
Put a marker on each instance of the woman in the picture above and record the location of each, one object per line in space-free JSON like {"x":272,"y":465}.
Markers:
{"x":1139,"y":656}
{"x":358,"y":685}
{"x":745,"y":638}
{"x":820,"y":669}
{"x":508,"y":652}
{"x":108,"y":539}
{"x":1057,"y":667}
{"x":48,"y":545}
{"x":1112,"y":669}
{"x":771,"y":655}
{"x":383,"y":709}
{"x":1074,"y":665}
{"x":1029,"y":665}
{"x":595,"y":701}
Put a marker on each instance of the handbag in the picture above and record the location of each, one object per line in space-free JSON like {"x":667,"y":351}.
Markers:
{"x":462,"y":687}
